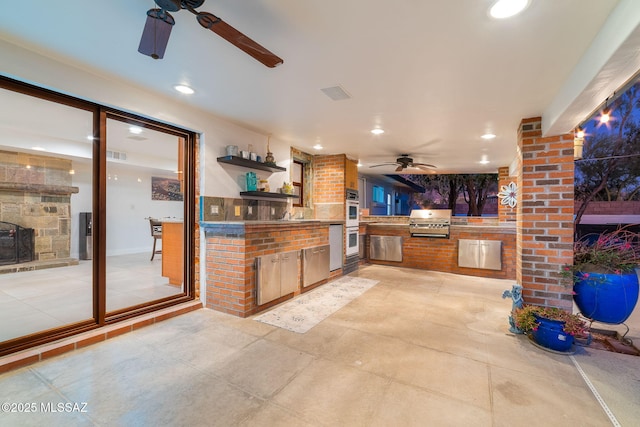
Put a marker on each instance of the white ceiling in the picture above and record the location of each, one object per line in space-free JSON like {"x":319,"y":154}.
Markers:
{"x":435,"y":74}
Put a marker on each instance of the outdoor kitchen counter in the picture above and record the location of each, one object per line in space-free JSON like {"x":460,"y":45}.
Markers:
{"x":231,"y":250}
{"x":440,"y":254}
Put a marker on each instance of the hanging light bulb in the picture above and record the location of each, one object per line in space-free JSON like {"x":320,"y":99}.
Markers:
{"x":605,"y":116}
{"x":578,"y":143}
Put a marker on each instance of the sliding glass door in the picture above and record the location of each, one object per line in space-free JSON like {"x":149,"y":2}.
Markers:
{"x":96,"y":215}
{"x":145,"y":214}
{"x":46,"y":185}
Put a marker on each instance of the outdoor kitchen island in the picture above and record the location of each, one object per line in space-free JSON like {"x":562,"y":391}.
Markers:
{"x":232,"y":248}
{"x":441,"y":253}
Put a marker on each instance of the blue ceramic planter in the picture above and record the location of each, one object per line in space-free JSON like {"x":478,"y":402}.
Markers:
{"x":550,"y":335}
{"x":607,"y":298}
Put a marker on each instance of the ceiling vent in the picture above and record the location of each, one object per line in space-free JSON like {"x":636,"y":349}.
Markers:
{"x":137,"y":138}
{"x":116,"y":155}
{"x":337,"y":93}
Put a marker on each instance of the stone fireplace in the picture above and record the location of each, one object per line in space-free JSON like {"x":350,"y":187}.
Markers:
{"x":35,"y":193}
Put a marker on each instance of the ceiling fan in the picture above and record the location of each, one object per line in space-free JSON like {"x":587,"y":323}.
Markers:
{"x":404,"y":161}
{"x":159,"y":23}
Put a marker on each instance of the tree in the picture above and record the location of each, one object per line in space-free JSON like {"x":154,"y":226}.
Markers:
{"x":476,"y":191}
{"x":610,"y":168}
{"x":474,"y":188}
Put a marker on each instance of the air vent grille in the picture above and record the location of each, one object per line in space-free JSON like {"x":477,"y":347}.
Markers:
{"x":337,"y":93}
{"x":116,"y":155}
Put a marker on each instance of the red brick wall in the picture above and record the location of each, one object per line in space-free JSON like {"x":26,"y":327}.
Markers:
{"x":442,"y":254}
{"x":544,"y":214}
{"x":611,"y":208}
{"x":505,"y":213}
{"x":231,"y":279}
{"x":328,"y":184}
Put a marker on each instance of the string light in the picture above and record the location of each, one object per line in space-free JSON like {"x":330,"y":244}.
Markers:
{"x":578,"y":143}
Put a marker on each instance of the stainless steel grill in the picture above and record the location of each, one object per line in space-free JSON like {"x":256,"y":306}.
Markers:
{"x":430,"y":223}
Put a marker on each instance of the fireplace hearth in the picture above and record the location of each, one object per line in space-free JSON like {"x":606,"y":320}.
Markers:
{"x":16,"y":244}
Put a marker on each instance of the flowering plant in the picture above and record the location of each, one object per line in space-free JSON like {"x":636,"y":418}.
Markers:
{"x":616,"y":252}
{"x":525,"y":319}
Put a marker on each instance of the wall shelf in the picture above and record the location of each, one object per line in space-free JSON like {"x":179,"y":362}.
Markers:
{"x":247,"y":163}
{"x":266,"y":194}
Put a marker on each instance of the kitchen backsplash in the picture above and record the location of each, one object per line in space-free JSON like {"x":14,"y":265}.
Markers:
{"x":229,"y":209}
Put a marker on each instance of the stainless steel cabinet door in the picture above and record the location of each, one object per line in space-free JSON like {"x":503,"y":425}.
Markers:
{"x":268,"y":278}
{"x":288,"y":272}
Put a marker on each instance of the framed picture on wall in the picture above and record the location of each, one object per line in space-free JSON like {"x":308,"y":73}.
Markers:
{"x":169,"y":189}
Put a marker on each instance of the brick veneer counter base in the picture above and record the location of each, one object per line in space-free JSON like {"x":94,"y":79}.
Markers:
{"x":440,"y":254}
{"x":231,"y":250}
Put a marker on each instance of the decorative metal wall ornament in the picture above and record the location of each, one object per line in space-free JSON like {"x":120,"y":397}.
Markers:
{"x":508,"y":195}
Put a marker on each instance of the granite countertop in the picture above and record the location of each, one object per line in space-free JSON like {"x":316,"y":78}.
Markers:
{"x":274,"y":222}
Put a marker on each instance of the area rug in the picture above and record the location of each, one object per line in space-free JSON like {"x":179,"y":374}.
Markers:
{"x":306,"y":311}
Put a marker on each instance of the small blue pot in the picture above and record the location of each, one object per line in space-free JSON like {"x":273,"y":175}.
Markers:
{"x":607,"y":298}
{"x":550,"y":335}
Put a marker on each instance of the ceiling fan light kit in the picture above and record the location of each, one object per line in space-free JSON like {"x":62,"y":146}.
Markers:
{"x":157,"y":30}
{"x":155,"y":35}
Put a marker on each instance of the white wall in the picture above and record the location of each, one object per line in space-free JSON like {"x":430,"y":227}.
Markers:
{"x":128,"y":204}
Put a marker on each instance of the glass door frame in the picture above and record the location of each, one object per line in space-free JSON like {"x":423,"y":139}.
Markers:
{"x":99,"y":185}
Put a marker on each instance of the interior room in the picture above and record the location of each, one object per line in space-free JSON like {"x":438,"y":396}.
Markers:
{"x":205,"y":206}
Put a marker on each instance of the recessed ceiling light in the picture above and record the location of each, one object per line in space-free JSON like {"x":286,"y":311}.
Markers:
{"x":507,"y":8}
{"x":317,"y":147}
{"x":484,"y":162}
{"x":488,"y":136}
{"x":377,"y":131}
{"x":359,"y":164}
{"x":39,"y":148}
{"x":136,"y":130}
{"x":184,"y":89}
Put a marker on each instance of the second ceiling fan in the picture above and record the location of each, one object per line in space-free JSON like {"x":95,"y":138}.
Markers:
{"x":404,"y":161}
{"x":157,"y":29}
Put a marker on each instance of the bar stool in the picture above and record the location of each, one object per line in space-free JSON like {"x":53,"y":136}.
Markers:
{"x":156,"y":233}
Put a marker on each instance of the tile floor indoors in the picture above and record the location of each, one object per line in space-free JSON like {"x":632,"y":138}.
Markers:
{"x":418,"y":349}
{"x":32,"y":301}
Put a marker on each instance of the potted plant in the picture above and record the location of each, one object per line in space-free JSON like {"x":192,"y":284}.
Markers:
{"x":550,"y":327}
{"x":604,"y":275}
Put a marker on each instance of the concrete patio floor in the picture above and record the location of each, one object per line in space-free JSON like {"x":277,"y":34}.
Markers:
{"x":418,"y":349}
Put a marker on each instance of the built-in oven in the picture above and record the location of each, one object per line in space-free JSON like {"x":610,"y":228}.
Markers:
{"x":353,"y":208}
{"x":352,"y":241}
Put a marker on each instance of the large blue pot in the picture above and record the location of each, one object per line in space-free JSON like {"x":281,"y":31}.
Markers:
{"x":549,"y":334}
{"x":607,"y":298}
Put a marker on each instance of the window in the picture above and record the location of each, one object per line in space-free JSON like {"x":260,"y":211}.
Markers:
{"x":378,"y":194}
{"x":297,"y":180}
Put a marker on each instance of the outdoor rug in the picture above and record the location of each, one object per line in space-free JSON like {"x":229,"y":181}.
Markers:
{"x":304,"y":312}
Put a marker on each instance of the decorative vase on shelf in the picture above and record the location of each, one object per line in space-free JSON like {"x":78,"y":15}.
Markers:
{"x":269,"y":160}
{"x":252,"y":181}
{"x":606,"y":298}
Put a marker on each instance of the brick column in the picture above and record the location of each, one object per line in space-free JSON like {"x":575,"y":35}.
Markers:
{"x":505,"y":213}
{"x":544,"y":214}
{"x":328,"y":186}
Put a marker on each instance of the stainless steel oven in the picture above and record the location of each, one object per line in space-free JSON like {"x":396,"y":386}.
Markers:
{"x":352,"y":237}
{"x":353,"y":208}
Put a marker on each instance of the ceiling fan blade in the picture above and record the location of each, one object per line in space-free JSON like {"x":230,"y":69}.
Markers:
{"x":155,"y":35}
{"x":424,"y":166}
{"x":400,"y":167}
{"x":236,"y":38}
{"x":383,"y":164}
